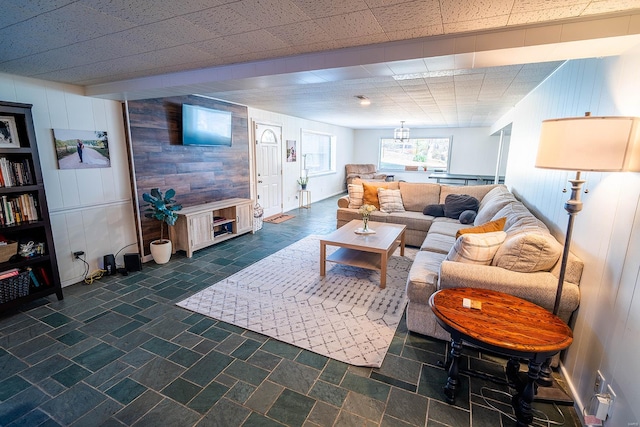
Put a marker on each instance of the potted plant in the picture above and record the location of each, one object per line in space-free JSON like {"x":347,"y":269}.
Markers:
{"x":303,"y":181}
{"x":163,"y":208}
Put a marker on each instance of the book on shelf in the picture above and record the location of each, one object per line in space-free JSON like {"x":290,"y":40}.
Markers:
{"x":9,"y":273}
{"x":18,"y":209}
{"x":15,"y":173}
{"x":34,"y":279}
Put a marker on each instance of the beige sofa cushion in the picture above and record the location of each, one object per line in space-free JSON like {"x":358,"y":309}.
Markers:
{"x":423,"y":276}
{"x":416,"y":196}
{"x":492,"y":202}
{"x":413,"y":220}
{"x":447,"y":226}
{"x":528,"y":252}
{"x":476,"y":248}
{"x":477,"y":191}
{"x":438,"y":243}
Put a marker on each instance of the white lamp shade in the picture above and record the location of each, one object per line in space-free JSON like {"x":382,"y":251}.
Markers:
{"x":605,"y":144}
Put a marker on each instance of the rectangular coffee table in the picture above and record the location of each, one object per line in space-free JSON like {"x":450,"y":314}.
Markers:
{"x":370,"y":251}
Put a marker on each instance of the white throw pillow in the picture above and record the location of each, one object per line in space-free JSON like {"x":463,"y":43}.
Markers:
{"x":476,"y":248}
{"x":356,"y":193}
{"x":390,"y":200}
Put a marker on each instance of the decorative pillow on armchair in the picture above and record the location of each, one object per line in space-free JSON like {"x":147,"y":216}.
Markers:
{"x":390,"y":200}
{"x":476,"y":248}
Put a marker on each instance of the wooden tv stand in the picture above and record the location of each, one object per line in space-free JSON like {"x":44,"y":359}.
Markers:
{"x":204,"y":225}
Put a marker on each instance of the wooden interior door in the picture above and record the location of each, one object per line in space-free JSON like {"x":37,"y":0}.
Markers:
{"x":269,"y":167}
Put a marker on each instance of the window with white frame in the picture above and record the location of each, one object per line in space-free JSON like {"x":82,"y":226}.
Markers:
{"x":318,"y":153}
{"x":432,"y":153}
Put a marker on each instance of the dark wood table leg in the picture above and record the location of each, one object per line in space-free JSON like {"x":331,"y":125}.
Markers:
{"x":453,"y":382}
{"x":522,"y":401}
{"x":512,"y":370}
{"x":545,"y":379}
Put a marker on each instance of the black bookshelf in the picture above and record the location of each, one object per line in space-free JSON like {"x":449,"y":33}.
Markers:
{"x":24,"y":215}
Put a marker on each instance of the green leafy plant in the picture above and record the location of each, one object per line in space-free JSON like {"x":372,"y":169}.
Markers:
{"x":162,"y":207}
{"x":303,"y":180}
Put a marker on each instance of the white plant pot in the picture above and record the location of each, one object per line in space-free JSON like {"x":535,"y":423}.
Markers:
{"x":161,"y":251}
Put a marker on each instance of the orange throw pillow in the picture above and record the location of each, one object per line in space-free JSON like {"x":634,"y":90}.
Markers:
{"x":488,"y":227}
{"x":370,"y":196}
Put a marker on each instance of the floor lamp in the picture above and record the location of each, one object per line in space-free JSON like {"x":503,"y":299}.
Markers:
{"x":603,"y":144}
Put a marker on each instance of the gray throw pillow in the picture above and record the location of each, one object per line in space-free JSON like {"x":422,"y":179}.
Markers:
{"x":434,"y":210}
{"x":467,"y":217}
{"x":455,"y":204}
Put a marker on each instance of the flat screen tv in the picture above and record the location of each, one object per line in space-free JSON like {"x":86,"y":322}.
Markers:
{"x":205,"y":126}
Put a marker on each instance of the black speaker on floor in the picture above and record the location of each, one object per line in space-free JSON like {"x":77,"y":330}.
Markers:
{"x":109,"y":264}
{"x":132,"y":262}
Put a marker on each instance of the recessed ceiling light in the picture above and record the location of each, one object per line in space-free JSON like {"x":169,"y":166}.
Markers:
{"x":363,"y":100}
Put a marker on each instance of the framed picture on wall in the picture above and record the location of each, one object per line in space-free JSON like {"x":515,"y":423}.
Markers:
{"x":291,"y":150}
{"x":81,"y":149}
{"x":8,"y":132}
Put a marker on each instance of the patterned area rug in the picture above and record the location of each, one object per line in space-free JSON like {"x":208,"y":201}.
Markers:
{"x":278,"y":218}
{"x":344,"y":315}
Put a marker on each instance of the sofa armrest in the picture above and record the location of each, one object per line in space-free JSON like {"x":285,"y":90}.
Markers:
{"x":538,"y":288}
{"x":379,"y":176}
{"x":343,"y":202}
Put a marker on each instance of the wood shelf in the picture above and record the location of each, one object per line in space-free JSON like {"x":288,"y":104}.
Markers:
{"x":39,"y":230}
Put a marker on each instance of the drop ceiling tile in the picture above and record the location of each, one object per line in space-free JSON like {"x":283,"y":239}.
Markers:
{"x":440,"y":63}
{"x":324,"y":8}
{"x":256,"y":41}
{"x":149,"y":10}
{"x":78,"y":22}
{"x":474,"y":10}
{"x":180,"y":31}
{"x":13,"y":12}
{"x":351,"y":25}
{"x":607,"y":6}
{"x":408,"y":67}
{"x":300,"y":33}
{"x":415,"y":14}
{"x":221,"y":20}
{"x":273,"y":12}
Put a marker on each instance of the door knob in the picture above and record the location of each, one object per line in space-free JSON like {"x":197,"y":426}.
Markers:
{"x":259,"y":182}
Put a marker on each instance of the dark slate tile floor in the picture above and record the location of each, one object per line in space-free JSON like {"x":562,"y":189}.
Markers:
{"x":119,"y":352}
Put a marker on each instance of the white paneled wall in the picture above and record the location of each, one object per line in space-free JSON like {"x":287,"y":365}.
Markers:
{"x":606,"y":233}
{"x":91,"y":209}
{"x":473,"y":151}
{"x":321,"y":187}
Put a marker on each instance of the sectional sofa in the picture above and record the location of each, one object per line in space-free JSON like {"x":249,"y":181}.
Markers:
{"x":522,"y":259}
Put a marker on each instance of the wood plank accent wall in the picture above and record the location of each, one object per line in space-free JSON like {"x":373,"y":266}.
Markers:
{"x":199,"y":174}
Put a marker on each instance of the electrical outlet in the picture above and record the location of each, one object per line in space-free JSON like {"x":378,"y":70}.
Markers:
{"x":78,"y":254}
{"x":598,"y":386}
{"x":612,"y":396}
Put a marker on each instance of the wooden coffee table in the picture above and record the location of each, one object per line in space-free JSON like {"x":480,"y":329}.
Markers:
{"x":504,"y":324}
{"x":370,"y":251}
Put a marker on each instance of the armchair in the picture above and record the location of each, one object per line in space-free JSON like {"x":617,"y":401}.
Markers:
{"x":362,"y":171}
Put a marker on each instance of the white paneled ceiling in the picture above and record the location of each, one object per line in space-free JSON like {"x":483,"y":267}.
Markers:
{"x":417,"y":60}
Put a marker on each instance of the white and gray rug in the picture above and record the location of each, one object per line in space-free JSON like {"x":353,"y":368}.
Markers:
{"x":344,"y":315}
